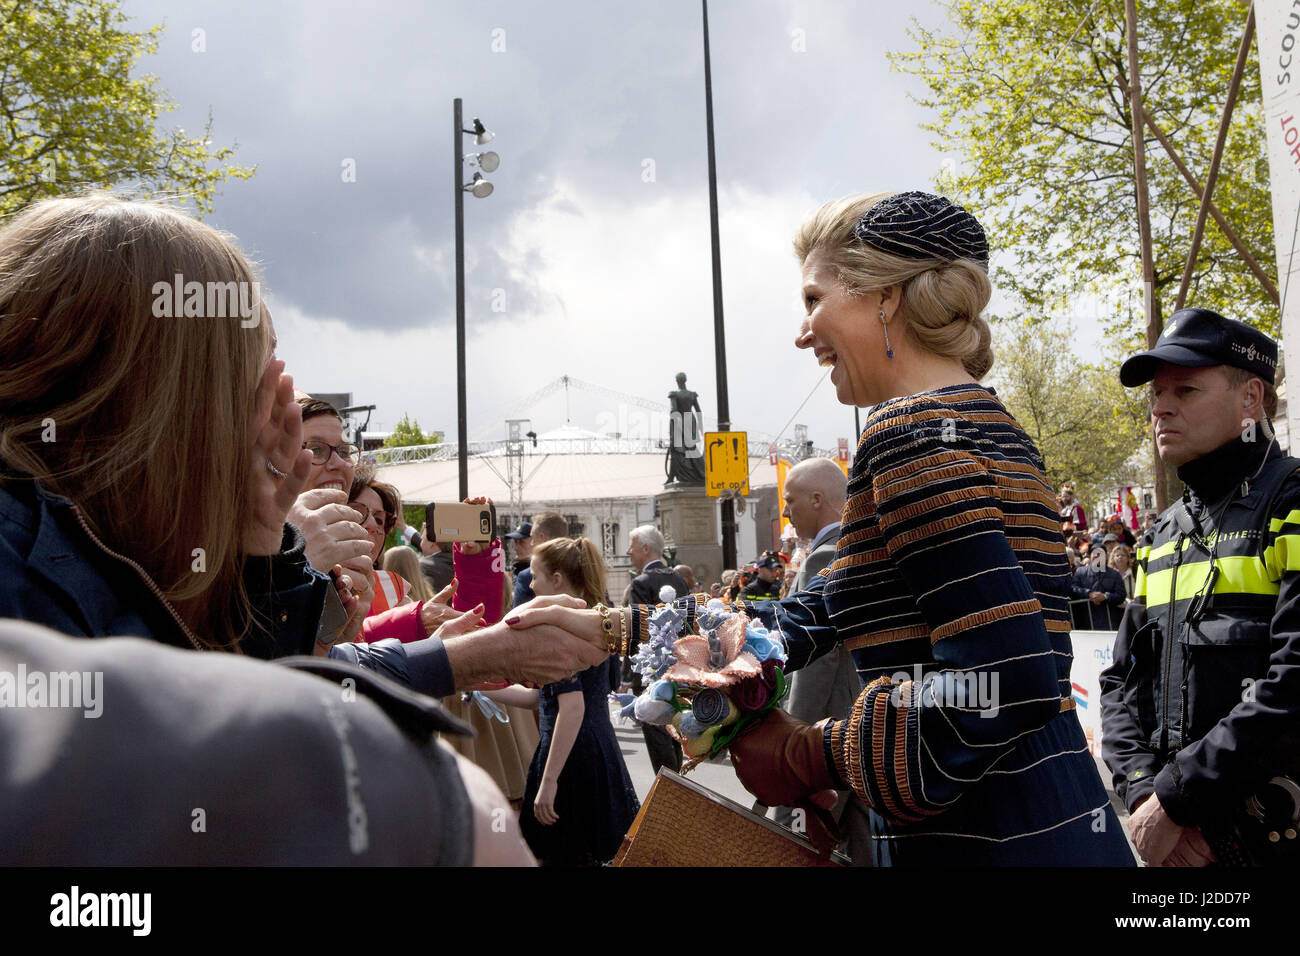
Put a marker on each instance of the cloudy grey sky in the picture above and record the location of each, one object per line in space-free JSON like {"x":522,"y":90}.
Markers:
{"x":598,"y":273}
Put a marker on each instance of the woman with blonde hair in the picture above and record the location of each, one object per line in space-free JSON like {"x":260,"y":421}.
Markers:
{"x":950,"y":582}
{"x":579,"y":801}
{"x":160,"y":491}
{"x":404,"y":562}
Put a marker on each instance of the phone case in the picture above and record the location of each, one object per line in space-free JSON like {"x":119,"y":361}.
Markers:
{"x":454,"y":521}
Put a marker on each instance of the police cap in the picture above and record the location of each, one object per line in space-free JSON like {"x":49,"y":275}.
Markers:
{"x":1199,"y":338}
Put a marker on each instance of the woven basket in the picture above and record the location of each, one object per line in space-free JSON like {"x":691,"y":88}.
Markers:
{"x":684,"y":824}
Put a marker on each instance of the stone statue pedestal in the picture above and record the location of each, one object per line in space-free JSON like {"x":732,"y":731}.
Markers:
{"x":689,"y":520}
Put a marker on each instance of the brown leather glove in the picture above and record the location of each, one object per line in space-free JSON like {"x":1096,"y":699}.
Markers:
{"x":781,"y":761}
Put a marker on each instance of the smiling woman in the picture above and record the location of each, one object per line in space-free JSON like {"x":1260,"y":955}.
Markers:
{"x":949,"y":566}
{"x":854,"y":295}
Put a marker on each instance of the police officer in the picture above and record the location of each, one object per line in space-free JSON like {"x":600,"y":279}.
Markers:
{"x":1201,"y":705}
{"x":766,"y":585}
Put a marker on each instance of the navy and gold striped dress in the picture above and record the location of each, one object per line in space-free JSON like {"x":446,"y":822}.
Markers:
{"x":950,"y":588}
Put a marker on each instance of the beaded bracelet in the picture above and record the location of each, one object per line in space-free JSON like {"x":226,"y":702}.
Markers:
{"x":611,"y":643}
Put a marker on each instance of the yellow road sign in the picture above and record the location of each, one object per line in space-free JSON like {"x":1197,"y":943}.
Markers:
{"x":726,"y":462}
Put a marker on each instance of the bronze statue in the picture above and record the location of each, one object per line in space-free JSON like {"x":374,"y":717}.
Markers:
{"x":684,"y":463}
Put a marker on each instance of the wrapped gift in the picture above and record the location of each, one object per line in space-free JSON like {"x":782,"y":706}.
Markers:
{"x":684,"y":824}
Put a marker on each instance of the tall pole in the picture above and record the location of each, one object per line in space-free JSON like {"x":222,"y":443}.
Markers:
{"x":1149,"y":304}
{"x":462,"y":425}
{"x":1229,"y":233}
{"x":1243,"y":53}
{"x":719,"y":334}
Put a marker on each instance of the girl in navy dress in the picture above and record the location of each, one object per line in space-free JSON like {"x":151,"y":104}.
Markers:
{"x":579,"y":800}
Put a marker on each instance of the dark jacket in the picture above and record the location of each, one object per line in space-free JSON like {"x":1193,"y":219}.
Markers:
{"x":523,"y":587}
{"x":55,"y":573}
{"x":1097,"y":617}
{"x":217,"y":759}
{"x":644,"y":589}
{"x":760,"y":590}
{"x":646,"y":585}
{"x":1205,"y":711}
{"x":438,"y":569}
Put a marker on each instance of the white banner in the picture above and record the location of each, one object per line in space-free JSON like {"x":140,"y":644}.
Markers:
{"x":1092,"y":655}
{"x":1277,"y":28}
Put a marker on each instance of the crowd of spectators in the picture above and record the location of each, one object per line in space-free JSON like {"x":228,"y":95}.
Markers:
{"x":1102,"y":562}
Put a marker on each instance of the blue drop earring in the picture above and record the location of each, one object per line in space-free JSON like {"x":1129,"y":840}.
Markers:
{"x":889,"y":352}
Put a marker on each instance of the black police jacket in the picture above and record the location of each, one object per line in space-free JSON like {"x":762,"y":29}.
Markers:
{"x":1201,"y":703}
{"x":760,"y":590}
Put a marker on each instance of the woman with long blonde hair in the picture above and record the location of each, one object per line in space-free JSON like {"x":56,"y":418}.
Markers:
{"x":151,"y":448}
{"x":149,"y":442}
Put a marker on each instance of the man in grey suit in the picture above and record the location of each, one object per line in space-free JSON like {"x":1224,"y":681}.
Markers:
{"x":646,"y":549}
{"x":814,"y":500}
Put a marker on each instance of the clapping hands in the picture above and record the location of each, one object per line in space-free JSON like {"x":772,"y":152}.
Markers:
{"x":334,"y":536}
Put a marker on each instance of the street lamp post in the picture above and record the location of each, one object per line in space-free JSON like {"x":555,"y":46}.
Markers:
{"x":719,"y":333}
{"x":481,"y":188}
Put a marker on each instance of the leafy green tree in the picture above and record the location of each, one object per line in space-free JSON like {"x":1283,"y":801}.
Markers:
{"x":73,"y":117}
{"x":407,"y":432}
{"x":1087,"y":426}
{"x":1033,"y":95}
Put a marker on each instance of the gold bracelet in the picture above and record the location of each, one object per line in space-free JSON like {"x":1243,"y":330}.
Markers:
{"x":611,"y":643}
{"x":622,"y":633}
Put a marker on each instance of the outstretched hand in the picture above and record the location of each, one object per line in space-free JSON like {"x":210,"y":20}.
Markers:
{"x":532,"y":654}
{"x":437,"y":612}
{"x":275,"y":430}
{"x":563,"y":611}
{"x":466,"y":623}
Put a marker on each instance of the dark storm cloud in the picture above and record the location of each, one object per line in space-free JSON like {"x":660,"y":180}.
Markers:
{"x":587,"y":90}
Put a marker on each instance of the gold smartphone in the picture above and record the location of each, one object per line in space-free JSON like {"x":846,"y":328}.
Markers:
{"x":454,"y":521}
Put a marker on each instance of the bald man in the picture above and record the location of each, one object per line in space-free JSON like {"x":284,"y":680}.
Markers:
{"x":814,"y":501}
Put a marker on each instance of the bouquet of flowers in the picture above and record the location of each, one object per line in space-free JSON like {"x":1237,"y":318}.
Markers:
{"x":709,"y":685}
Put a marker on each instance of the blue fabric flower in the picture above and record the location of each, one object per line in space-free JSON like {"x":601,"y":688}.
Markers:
{"x":760,"y":642}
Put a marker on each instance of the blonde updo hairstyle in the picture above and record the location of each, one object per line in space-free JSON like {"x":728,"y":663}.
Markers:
{"x":942,"y":302}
